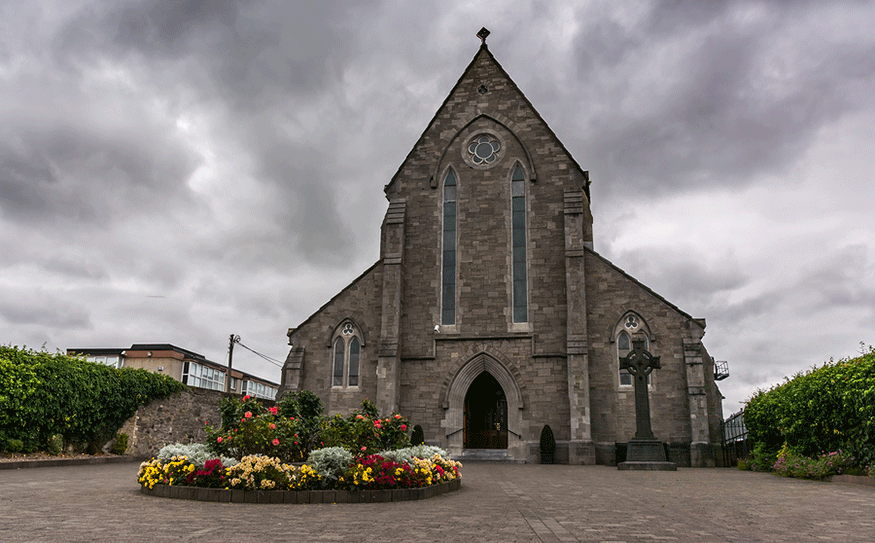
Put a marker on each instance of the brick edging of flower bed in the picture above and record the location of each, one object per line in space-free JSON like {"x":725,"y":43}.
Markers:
{"x":300,"y":496}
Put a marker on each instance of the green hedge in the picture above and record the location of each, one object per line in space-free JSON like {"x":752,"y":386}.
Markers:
{"x":826,"y":409}
{"x":43,"y":394}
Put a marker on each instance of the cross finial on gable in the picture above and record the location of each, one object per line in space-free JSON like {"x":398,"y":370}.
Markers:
{"x":482,"y":35}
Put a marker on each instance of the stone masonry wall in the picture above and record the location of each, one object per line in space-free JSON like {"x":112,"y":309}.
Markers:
{"x":177,"y":419}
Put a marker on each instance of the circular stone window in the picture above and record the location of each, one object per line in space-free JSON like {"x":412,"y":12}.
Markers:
{"x":484,"y":149}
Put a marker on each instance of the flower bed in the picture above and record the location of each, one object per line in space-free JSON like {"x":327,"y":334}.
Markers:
{"x":332,"y":476}
{"x":270,"y":443}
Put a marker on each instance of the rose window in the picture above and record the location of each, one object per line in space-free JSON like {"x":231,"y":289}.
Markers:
{"x":484,"y":149}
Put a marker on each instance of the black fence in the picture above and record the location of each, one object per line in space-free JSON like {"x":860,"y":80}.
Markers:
{"x":736,"y":443}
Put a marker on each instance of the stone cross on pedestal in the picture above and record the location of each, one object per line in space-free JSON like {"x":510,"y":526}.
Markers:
{"x":640,"y":363}
{"x":644,"y":451}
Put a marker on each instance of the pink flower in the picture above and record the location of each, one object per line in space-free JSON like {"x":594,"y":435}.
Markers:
{"x":276,"y":442}
{"x":377,"y":423}
{"x":219,"y":439}
{"x":248,"y":414}
{"x":272,"y":426}
{"x":403,"y":427}
{"x":397,"y":417}
{"x":364,"y":448}
{"x":273,"y":410}
{"x":246,"y":397}
{"x":359,"y":417}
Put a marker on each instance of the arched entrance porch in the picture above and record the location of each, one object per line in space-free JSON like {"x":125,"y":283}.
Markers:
{"x":483,"y":408}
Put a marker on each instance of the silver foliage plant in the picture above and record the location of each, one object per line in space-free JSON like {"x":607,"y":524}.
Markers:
{"x":197,"y":454}
{"x":405,"y":456}
{"x":330,"y":462}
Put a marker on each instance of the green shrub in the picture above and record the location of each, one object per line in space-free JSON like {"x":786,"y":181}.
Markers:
{"x":363,"y":432}
{"x":417,"y":436}
{"x":55,"y":445}
{"x":196,"y":453}
{"x":548,"y":442}
{"x":249,"y":428}
{"x":829,"y":408}
{"x":14,"y":445}
{"x":43,"y":394}
{"x":120,"y":445}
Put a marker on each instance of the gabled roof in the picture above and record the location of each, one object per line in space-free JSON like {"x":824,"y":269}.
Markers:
{"x":484,"y":50}
{"x":644,"y":287}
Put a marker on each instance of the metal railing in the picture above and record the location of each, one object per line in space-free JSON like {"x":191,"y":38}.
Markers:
{"x":736,"y":443}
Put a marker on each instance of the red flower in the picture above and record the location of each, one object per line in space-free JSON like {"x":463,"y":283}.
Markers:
{"x":403,"y":427}
{"x":273,"y":410}
{"x":248,"y":414}
{"x":246,"y":397}
{"x":219,"y":439}
{"x":272,"y":426}
{"x":276,"y":442}
{"x":397,"y":417}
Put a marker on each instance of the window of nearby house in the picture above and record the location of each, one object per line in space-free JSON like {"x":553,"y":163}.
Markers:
{"x":448,"y":265}
{"x":518,"y":236}
{"x":346,"y":353}
{"x":258,"y":390}
{"x":202,"y":376}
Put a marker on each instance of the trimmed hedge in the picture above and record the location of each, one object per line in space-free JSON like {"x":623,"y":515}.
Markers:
{"x":826,"y":409}
{"x":43,"y":394}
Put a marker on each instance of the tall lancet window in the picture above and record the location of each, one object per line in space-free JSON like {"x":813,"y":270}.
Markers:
{"x":518,"y":218}
{"x":448,"y":265}
{"x":346,"y":354}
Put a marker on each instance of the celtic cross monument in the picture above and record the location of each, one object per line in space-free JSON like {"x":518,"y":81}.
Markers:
{"x":644,"y":451}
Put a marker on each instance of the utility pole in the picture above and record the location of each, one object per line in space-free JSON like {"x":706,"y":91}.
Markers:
{"x":234,"y":339}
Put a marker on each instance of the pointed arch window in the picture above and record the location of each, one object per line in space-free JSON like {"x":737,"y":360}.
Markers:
{"x":518,"y":236}
{"x":346,"y":353}
{"x":624,"y":346}
{"x":448,"y":259}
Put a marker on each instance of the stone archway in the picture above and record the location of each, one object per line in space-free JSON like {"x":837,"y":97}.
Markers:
{"x":497,"y":377}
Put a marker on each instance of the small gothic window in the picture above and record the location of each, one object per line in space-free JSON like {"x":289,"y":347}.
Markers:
{"x":346,"y":354}
{"x":484,"y":149}
{"x":518,"y":242}
{"x":624,"y":346}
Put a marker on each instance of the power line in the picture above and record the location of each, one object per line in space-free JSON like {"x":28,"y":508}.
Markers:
{"x":273,"y":361}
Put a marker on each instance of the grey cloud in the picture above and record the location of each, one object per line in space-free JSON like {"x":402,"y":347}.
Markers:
{"x":43,"y":310}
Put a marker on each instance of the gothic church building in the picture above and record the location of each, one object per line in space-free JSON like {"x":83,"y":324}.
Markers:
{"x":489,"y":314}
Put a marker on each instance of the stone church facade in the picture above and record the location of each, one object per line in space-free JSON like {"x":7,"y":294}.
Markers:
{"x":489,"y":314}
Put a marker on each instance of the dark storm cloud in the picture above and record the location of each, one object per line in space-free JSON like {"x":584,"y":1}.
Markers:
{"x":733,"y":104}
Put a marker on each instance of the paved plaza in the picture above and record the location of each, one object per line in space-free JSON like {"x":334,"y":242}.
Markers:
{"x":497,"y":502}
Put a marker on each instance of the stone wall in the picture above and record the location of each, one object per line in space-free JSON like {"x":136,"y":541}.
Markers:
{"x":179,"y":418}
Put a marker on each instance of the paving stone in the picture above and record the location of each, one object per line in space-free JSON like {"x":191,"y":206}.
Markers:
{"x":496,"y":502}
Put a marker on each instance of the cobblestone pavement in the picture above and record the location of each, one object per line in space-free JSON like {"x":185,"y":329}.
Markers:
{"x":497,"y":502}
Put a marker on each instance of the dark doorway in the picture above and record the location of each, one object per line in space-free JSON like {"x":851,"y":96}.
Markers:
{"x":485,"y":414}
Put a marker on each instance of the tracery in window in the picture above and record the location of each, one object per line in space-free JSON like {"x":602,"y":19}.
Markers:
{"x":484,"y":149}
{"x":346,"y":353}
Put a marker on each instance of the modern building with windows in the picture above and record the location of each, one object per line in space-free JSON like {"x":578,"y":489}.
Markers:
{"x":183,"y":365}
{"x":490,"y":314}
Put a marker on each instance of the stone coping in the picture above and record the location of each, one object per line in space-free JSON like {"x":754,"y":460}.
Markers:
{"x":300,"y":496}
{"x":77,"y":461}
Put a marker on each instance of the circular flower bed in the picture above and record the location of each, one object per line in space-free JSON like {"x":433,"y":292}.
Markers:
{"x":237,"y":464}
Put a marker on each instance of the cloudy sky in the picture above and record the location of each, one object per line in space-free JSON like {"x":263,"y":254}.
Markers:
{"x":179,"y":170}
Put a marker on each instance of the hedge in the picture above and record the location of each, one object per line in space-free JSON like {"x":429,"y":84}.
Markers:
{"x":44,"y":394}
{"x":826,"y":409}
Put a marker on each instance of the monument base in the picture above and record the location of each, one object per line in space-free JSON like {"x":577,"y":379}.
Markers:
{"x":646,"y":454}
